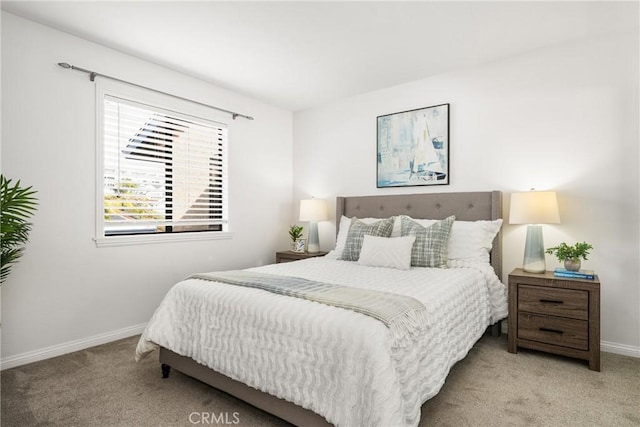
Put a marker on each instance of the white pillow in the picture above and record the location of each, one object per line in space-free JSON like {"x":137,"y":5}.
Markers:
{"x":469,"y":240}
{"x":472,"y":240}
{"x":343,"y":231}
{"x":392,"y":252}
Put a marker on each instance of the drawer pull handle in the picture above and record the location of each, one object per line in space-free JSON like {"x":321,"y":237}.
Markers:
{"x":551,"y":301}
{"x":553,"y":331}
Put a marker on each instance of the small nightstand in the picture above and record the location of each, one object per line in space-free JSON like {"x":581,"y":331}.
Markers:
{"x":555,"y":314}
{"x":288,"y":256}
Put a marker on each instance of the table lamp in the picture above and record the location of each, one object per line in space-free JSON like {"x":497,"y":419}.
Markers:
{"x":313,"y":210}
{"x":534,"y":208}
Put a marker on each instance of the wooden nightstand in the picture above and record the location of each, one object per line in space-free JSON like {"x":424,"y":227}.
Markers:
{"x":288,"y":256}
{"x":555,"y":314}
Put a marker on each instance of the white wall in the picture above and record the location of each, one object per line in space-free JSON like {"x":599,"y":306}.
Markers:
{"x":562,"y":118}
{"x":64,"y":288}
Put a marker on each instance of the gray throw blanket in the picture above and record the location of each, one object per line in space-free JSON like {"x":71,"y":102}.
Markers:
{"x":403,"y":315}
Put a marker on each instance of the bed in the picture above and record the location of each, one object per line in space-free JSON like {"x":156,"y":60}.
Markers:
{"x":313,"y":364}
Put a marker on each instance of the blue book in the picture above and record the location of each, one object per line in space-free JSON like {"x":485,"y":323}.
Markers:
{"x":581,"y":274}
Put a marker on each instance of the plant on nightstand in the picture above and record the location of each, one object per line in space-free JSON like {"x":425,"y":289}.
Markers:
{"x":295,"y":232}
{"x":571,"y":255}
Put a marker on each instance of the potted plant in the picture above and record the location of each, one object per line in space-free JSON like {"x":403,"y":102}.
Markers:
{"x":571,"y":254}
{"x":295,"y":232}
{"x":17,"y":205}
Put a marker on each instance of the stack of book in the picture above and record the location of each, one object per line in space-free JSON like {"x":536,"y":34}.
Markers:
{"x":580,"y":274}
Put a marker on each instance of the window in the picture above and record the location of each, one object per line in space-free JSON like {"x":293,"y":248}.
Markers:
{"x":161,"y":172}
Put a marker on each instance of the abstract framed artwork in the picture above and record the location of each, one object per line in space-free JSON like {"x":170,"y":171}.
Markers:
{"x":413,"y":147}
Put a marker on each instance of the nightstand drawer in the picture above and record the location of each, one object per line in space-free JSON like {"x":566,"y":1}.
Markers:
{"x":553,"y":301}
{"x":554,"y":330}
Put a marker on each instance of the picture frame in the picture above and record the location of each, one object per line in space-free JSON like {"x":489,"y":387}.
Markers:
{"x":413,"y":147}
{"x":300,"y":246}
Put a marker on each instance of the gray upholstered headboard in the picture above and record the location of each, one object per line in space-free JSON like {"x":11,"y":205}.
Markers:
{"x":469,"y":206}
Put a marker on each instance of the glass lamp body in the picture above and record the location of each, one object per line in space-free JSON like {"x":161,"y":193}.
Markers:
{"x":313,"y":242}
{"x":534,"y":251}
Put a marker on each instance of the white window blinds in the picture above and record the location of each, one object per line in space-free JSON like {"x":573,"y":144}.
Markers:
{"x":163,"y":171}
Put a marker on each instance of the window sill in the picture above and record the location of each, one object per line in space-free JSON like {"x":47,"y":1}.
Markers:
{"x":146,"y":239}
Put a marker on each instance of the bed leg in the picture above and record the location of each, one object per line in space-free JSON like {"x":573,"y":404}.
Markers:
{"x":496,"y":329}
{"x":165,"y":370}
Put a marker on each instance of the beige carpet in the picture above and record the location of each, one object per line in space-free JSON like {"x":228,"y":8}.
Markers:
{"x":103,"y":386}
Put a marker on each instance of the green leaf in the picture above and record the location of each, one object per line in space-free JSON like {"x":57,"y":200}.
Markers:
{"x":17,"y":205}
{"x":295,"y":232}
{"x":564,"y":251}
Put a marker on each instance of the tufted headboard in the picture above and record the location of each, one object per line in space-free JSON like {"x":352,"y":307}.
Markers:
{"x":468,"y":206}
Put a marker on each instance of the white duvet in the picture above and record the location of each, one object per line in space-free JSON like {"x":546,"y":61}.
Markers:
{"x":335,"y":362}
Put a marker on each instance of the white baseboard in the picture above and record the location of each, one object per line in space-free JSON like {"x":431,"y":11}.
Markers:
{"x":69,"y":347}
{"x":622,"y":349}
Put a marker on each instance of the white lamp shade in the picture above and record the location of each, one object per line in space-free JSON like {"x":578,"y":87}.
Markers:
{"x":534,"y":207}
{"x":313,"y":210}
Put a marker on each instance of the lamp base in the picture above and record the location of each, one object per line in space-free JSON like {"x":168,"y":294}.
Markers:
{"x":534,"y":261}
{"x":313,"y":243}
{"x":534,"y":268}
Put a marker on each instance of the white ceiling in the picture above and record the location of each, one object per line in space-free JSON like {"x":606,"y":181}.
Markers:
{"x":298,"y":55}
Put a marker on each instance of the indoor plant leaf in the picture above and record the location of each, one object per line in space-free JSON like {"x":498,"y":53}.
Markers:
{"x":17,"y":205}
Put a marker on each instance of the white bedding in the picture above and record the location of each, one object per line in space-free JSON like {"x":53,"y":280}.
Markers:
{"x":335,"y":362}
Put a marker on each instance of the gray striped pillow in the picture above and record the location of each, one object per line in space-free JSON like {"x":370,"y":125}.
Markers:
{"x":430,"y":247}
{"x":357,"y":231}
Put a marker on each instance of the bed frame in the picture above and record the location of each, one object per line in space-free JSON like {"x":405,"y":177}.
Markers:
{"x":468,"y":206}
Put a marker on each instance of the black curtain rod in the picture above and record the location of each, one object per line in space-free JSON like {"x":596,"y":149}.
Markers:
{"x":93,"y":75}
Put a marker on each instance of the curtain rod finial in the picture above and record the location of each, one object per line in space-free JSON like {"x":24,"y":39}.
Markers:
{"x":64,"y":65}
